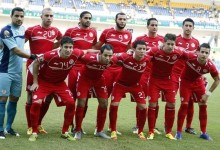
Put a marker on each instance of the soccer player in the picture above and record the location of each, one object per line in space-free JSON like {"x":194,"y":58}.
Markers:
{"x":160,"y":80}
{"x":133,"y":66}
{"x":192,"y":83}
{"x":42,"y":38}
{"x":54,"y":68}
{"x":120,"y":39}
{"x":84,"y":37}
{"x":11,"y":54}
{"x":91,"y":76}
{"x":152,"y":39}
{"x":189,"y":43}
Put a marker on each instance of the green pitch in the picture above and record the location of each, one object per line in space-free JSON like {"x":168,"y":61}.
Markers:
{"x":126,"y":120}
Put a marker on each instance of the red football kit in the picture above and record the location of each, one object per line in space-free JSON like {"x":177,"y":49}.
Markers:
{"x":120,"y":41}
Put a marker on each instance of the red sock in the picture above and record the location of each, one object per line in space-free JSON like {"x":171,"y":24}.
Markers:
{"x":190,"y":113}
{"x":137,"y":116}
{"x":169,"y":118}
{"x":85,"y":108}
{"x":151,"y":119}
{"x":27,"y":110}
{"x":113,"y":114}
{"x":101,"y":116}
{"x":156,"y":114}
{"x":79,"y":118}
{"x":181,"y":116}
{"x":68,"y":115}
{"x":43,"y":111}
{"x":34,"y":116}
{"x":142,"y":120}
{"x":203,"y":117}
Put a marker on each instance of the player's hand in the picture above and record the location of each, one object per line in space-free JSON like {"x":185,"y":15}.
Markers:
{"x":204,"y":98}
{"x":130,"y":51}
{"x":34,"y":87}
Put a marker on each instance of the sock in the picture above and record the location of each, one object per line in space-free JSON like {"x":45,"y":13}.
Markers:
{"x":190,"y":113}
{"x":27,"y":110}
{"x":156,"y":114}
{"x":151,"y":119}
{"x":169,"y":118}
{"x":203,"y":117}
{"x":113,"y":115}
{"x":68,"y":115}
{"x":142,"y":120}
{"x":11,"y":112}
{"x":43,"y":111}
{"x":181,"y":116}
{"x":101,"y":116}
{"x":85,"y":108}
{"x":35,"y":115}
{"x":137,"y":116}
{"x":79,"y":118}
{"x":2,"y":115}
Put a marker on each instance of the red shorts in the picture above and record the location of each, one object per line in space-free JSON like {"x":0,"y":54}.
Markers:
{"x":60,"y":89}
{"x":189,"y":88}
{"x":136,"y":91}
{"x":165,"y":85}
{"x":84,"y":85}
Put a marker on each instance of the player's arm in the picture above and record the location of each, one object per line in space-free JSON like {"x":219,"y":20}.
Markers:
{"x":98,"y":45}
{"x":56,"y":44}
{"x":91,"y":51}
{"x":22,"y":54}
{"x":212,"y":88}
{"x":36,"y":65}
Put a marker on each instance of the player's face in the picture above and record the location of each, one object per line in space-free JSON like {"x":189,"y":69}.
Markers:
{"x":47,"y":18}
{"x":17,"y":18}
{"x":140,"y":51}
{"x":153,"y":26}
{"x":188,"y":28}
{"x":66,"y":50}
{"x":121,"y":21}
{"x":106,"y":56}
{"x":169,"y":45}
{"x":85,"y":21}
{"x":203,"y":54}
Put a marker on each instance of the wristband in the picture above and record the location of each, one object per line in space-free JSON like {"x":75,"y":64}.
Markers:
{"x":208,"y":93}
{"x":33,"y":56}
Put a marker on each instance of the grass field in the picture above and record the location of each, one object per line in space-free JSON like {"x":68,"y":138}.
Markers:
{"x":126,"y":120}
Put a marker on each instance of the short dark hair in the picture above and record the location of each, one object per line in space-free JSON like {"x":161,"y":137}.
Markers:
{"x":188,"y":20}
{"x":169,"y":36}
{"x":106,"y":47}
{"x":16,"y":9}
{"x":83,"y":13}
{"x":121,"y":13}
{"x":205,"y":45}
{"x":140,"y":42}
{"x":151,"y":19}
{"x":66,"y":39}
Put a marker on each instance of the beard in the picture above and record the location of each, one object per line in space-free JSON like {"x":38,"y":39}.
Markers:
{"x":120,"y":27}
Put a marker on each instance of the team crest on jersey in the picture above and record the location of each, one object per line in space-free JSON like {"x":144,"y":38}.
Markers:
{"x":193,"y":45}
{"x":126,"y":36}
{"x":174,"y":57}
{"x":7,"y":34}
{"x":205,"y":70}
{"x":71,"y":61}
{"x":53,"y":32}
{"x":3,"y":92}
{"x":90,"y":34}
{"x":144,"y":64}
{"x":78,"y":93}
{"x":35,"y":97}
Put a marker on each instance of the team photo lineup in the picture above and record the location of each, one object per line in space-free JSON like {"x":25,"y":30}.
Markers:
{"x":72,"y":67}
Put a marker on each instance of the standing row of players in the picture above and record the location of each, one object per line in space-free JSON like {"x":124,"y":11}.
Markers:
{"x":148,"y":75}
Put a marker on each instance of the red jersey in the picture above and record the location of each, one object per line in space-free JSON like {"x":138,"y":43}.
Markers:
{"x":162,"y":62}
{"x":193,"y":70}
{"x":191,"y":44}
{"x":132,"y":69}
{"x":118,"y":39}
{"x":42,"y":39}
{"x":150,"y":41}
{"x":93,"y":69}
{"x":55,"y":69}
